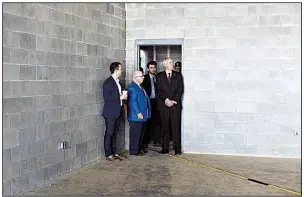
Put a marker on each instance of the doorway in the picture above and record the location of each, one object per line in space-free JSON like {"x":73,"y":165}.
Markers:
{"x":158,"y":53}
{"x":157,"y":50}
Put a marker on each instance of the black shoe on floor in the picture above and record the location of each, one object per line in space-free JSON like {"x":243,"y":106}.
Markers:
{"x":164,"y":151}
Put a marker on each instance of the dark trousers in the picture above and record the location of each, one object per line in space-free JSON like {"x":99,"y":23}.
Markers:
{"x":171,"y":117}
{"x":112,"y":129}
{"x":136,"y":134}
{"x":153,"y":128}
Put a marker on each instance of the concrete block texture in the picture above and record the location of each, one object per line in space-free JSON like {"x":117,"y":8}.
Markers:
{"x":240,"y":61}
{"x":51,"y":54}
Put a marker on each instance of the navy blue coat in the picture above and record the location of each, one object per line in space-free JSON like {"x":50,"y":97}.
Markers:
{"x":111,"y":96}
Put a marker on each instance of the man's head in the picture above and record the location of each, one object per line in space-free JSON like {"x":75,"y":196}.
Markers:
{"x":115,"y":68}
{"x":152,"y":67}
{"x":168,"y":63}
{"x":138,"y":77}
{"x":178,"y":66}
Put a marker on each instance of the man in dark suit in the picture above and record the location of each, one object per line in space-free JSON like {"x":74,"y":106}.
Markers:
{"x":139,"y":111}
{"x":112,"y":110}
{"x":153,"y":129}
{"x":169,"y":91}
{"x":178,"y":66}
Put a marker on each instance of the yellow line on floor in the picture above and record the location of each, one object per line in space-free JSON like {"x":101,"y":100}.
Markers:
{"x":233,"y":174}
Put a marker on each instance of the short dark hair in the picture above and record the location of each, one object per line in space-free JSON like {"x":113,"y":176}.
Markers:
{"x":114,"y":66}
{"x":152,"y":63}
{"x":141,"y":69}
{"x":178,"y":64}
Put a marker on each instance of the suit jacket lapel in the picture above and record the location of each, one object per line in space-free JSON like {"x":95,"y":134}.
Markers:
{"x":165,"y":78}
{"x":115,"y":84}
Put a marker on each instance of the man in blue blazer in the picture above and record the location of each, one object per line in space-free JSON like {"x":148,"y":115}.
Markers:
{"x":139,"y":110}
{"x":112,"y":95}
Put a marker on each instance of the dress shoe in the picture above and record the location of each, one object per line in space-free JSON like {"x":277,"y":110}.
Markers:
{"x":138,"y":154}
{"x":164,"y":152}
{"x":144,"y":150}
{"x":117,"y":157}
{"x":120,"y":156}
{"x":178,"y":152}
{"x":113,"y":159}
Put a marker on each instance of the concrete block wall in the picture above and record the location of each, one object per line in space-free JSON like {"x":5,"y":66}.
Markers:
{"x":241,"y":67}
{"x":55,"y":59}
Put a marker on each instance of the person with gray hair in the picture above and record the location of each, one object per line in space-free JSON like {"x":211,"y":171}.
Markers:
{"x":169,"y":91}
{"x":139,"y":111}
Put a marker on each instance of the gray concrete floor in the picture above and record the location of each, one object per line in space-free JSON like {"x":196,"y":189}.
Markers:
{"x":155,"y":174}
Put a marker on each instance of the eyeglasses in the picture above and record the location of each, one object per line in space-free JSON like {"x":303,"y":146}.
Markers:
{"x":140,"y":76}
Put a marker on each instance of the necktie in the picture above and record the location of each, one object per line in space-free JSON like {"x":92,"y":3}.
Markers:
{"x":169,"y":78}
{"x":153,"y":79}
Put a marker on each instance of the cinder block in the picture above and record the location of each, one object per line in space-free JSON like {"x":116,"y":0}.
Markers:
{"x":70,"y":152}
{"x":92,"y":50}
{"x":38,"y":27}
{"x":43,"y":131}
{"x":51,"y":59}
{"x":50,"y":173}
{"x":57,"y":17}
{"x":27,"y":41}
{"x":94,"y":156}
{"x":70,"y":20}
{"x":75,"y":163}
{"x":81,"y":124}
{"x":19,"y":153}
{"x":6,"y":21}
{"x":43,"y":73}
{"x":43,"y":102}
{"x":7,"y":156}
{"x":224,"y":128}
{"x":11,"y":105}
{"x":51,"y":144}
{"x":81,"y":149}
{"x":70,"y":126}
{"x":225,"y":107}
{"x":28,"y":166}
{"x":35,"y":118}
{"x":85,"y":159}
{"x":213,"y":138}
{"x":76,"y":61}
{"x":137,"y":34}
{"x":27,"y":135}
{"x":110,"y":9}
{"x":6,"y":186}
{"x":18,"y":56}
{"x":257,"y":119}
{"x":18,"y":23}
{"x":96,"y":15}
{"x":11,"y":138}
{"x":57,"y":73}
{"x":7,"y":89}
{"x":246,"y":107}
{"x":70,"y":47}
{"x":57,"y":128}
{"x":6,"y":37}
{"x":76,"y":139}
{"x":37,"y":148}
{"x":63,"y":167}
{"x":19,"y":184}
{"x":6,"y":55}
{"x":36,"y":177}
{"x":92,"y":145}
{"x":22,"y":88}
{"x":27,"y":72}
